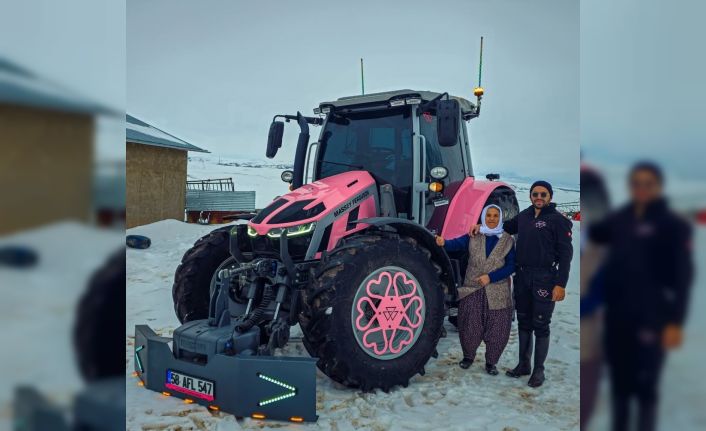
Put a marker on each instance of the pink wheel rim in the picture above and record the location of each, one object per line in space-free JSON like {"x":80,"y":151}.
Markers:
{"x":388,"y":313}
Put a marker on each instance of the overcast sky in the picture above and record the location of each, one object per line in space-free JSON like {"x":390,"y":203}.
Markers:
{"x":214,"y":73}
{"x":78,"y":45}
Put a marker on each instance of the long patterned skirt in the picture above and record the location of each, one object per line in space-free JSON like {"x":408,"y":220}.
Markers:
{"x":477,"y":322}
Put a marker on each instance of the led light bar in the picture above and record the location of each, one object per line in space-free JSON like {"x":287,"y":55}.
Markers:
{"x":275,"y":399}
{"x":276,"y":382}
{"x":292,"y":390}
{"x":298,"y":230}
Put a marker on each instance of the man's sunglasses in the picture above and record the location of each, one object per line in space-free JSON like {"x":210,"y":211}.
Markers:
{"x":538,"y":194}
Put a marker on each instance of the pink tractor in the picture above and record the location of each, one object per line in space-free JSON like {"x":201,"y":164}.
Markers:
{"x":349,"y":253}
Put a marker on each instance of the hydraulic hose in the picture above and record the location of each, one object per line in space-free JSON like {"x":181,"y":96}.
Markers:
{"x":255,"y":316}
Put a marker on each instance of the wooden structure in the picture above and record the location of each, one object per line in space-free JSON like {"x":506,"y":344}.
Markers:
{"x":155,"y":173}
{"x":46,"y":165}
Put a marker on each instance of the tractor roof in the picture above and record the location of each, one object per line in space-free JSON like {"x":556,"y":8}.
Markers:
{"x":384,"y":98}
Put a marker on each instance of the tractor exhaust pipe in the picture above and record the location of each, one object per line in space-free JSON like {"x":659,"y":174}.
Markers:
{"x":300,"y":154}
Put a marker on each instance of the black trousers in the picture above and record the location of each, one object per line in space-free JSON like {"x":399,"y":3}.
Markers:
{"x":635,"y":357}
{"x":533,"y":299}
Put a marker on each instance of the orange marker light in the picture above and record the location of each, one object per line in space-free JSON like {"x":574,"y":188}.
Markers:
{"x":436,"y":187}
{"x":188,"y":401}
{"x":166,"y":394}
{"x":140,"y":383}
{"x":296,"y":419}
{"x":134,"y":374}
{"x":214,"y":408}
{"x":258,"y":416}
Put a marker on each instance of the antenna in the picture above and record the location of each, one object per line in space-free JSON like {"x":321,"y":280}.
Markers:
{"x":478,"y":91}
{"x":362,"y":78}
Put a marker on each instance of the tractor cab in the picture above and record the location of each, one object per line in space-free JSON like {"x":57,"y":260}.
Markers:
{"x":412,"y":143}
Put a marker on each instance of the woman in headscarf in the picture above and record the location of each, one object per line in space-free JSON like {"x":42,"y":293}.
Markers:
{"x":485,"y":300}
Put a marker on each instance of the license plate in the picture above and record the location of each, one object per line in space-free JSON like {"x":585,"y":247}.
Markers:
{"x":190,"y":385}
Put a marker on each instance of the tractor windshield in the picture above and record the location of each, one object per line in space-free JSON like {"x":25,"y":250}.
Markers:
{"x":379,"y":142}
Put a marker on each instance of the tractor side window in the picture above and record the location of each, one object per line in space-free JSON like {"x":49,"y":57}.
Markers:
{"x":436,"y":155}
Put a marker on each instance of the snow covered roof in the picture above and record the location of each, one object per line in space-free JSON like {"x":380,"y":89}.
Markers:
{"x":384,"y":98}
{"x":139,"y":132}
{"x":19,"y":86}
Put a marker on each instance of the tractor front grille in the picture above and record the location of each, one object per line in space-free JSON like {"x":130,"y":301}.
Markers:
{"x":264,"y":245}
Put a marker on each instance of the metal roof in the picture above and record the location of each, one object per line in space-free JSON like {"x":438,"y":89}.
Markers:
{"x":19,"y":86}
{"x":216,"y":200}
{"x":139,"y":132}
{"x":385,"y":97}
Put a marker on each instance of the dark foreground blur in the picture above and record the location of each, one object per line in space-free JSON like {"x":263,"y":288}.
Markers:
{"x":643,"y":339}
{"x":62,"y":214}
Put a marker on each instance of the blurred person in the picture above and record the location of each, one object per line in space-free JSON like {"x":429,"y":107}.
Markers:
{"x":544,"y":252}
{"x":595,"y":204}
{"x":485,"y":301}
{"x":646,"y":282}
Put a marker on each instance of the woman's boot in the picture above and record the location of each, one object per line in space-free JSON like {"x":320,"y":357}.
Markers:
{"x":523,"y":368}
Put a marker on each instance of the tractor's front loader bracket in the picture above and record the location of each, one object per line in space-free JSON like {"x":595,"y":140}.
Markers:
{"x":263,"y":387}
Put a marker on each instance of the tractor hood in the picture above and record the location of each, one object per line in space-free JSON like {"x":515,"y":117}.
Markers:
{"x":311,"y":202}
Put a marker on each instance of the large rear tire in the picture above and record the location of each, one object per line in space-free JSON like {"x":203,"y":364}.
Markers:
{"x":374,"y":313}
{"x":100,"y":322}
{"x":193,"y":277}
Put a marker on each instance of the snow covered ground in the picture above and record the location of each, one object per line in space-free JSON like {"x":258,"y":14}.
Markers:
{"x":447,"y":397}
{"x":38,"y":305}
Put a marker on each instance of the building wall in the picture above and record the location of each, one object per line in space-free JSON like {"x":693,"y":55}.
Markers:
{"x":156,"y":184}
{"x":46,"y":165}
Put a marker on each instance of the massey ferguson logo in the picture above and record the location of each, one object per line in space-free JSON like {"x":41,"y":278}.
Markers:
{"x":348,"y":205}
{"x":540,"y":224}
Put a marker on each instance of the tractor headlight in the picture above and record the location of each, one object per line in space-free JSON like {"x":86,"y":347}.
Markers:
{"x":439,"y":172}
{"x":299,"y":230}
{"x":251,"y":231}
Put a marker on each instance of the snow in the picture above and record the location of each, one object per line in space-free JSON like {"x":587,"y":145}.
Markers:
{"x":456,"y":399}
{"x":38,"y":307}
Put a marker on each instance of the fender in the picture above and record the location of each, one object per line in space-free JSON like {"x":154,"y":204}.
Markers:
{"x":466,"y":206}
{"x":426,"y":238}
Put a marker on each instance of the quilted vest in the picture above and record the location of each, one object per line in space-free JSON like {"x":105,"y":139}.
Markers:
{"x":499,"y":294}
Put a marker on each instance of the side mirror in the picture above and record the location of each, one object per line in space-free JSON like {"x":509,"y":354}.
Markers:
{"x":274,"y":138}
{"x":287,"y":176}
{"x":447,"y":114}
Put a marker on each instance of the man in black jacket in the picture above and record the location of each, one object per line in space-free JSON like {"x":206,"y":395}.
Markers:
{"x":647,"y":277}
{"x":543,"y":257}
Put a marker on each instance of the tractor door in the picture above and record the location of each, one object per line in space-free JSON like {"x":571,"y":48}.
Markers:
{"x":455,"y":159}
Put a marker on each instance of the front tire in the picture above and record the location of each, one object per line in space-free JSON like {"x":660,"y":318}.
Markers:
{"x":193,"y":277}
{"x":374,"y":313}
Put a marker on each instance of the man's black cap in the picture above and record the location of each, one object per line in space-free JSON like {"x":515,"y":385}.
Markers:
{"x":544,"y":184}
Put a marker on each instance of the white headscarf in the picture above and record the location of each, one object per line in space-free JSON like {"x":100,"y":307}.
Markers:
{"x":485,"y":230}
